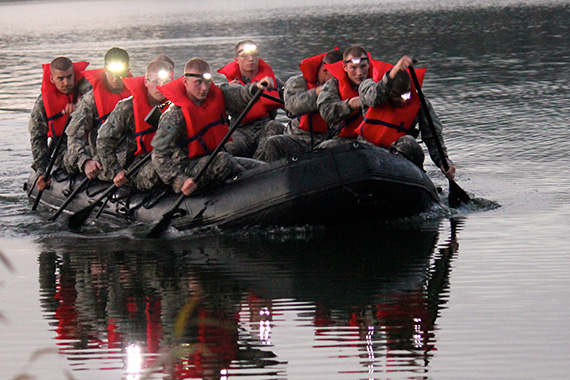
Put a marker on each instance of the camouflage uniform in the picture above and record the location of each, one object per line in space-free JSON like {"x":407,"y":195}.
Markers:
{"x":171,"y":159}
{"x":294,"y":141}
{"x":334,"y":111}
{"x":374,"y":94}
{"x":120,"y":128}
{"x":38,"y":127}
{"x":82,"y":138}
{"x":249,"y":139}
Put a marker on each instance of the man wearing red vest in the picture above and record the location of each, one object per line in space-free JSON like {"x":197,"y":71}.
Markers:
{"x":307,"y":128}
{"x":62,"y":86}
{"x":93,"y":110}
{"x":259,"y":124}
{"x":136,"y":119}
{"x":392,"y":109}
{"x":195,"y":124}
{"x":339,"y":102}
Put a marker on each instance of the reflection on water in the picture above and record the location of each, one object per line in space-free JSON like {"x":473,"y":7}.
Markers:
{"x":199,"y":307}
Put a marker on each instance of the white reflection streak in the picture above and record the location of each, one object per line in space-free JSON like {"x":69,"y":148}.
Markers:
{"x":224,"y":374}
{"x":370,"y":350}
{"x":134,"y":362}
{"x":264,"y":326}
{"x":418,"y":333}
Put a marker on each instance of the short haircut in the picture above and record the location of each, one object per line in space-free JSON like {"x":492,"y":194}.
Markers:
{"x":355,"y":51}
{"x":239,"y":44}
{"x":61,"y":63}
{"x":332,"y":56}
{"x":197,"y":64}
{"x":164,"y":58}
{"x":402,"y":81}
{"x":116,"y":54}
{"x":156,"y":66}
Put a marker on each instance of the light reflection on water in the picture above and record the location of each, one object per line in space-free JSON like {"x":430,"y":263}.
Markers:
{"x":339,"y":305}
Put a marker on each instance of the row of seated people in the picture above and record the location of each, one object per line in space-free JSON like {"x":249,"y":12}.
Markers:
{"x":110,"y":120}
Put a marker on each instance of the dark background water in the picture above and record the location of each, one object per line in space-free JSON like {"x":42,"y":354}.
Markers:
{"x":481,"y":296}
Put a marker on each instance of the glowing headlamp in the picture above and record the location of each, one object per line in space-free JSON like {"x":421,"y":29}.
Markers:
{"x":163,"y":75}
{"x":406,"y":95}
{"x":116,"y":67}
{"x":205,"y":76}
{"x":248,"y":49}
{"x":356,"y":60}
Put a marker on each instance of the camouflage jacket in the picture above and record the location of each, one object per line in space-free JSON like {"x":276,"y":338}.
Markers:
{"x":299,"y":100}
{"x":38,"y":127}
{"x":169,"y":157}
{"x":374,"y":94}
{"x":259,"y":122}
{"x":118,"y":128}
{"x":82,"y":133}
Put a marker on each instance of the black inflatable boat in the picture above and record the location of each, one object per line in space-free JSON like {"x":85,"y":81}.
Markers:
{"x":347,"y":184}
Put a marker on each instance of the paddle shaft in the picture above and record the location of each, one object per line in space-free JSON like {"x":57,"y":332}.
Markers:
{"x":51,"y":164}
{"x":69,"y":199}
{"x":457,"y":196}
{"x":442,"y":156}
{"x":166,"y":218}
{"x":275,"y":99}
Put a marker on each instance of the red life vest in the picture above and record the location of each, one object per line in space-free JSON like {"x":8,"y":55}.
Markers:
{"x":312,"y":122}
{"x":384,"y":125}
{"x":144,"y":132}
{"x":105,"y":99}
{"x":55,"y":101}
{"x":346,"y":91}
{"x":206,"y":124}
{"x":262,"y":107}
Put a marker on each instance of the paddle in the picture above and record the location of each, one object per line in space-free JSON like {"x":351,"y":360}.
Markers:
{"x":69,"y":199}
{"x":163,"y":224}
{"x":457,"y":196}
{"x":76,"y":220}
{"x":50,"y":165}
{"x":275,"y":99}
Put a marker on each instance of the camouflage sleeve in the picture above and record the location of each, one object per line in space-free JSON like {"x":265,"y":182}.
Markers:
{"x":119,"y":124}
{"x":237,"y":96}
{"x":78,"y":130}
{"x":427,"y":135}
{"x":167,"y":156}
{"x":375,"y":94}
{"x":38,"y":128}
{"x":298,"y":99}
{"x":331,"y":107}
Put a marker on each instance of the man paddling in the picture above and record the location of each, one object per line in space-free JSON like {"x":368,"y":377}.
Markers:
{"x":195,"y":124}
{"x":62,"y":86}
{"x":392,"y":110}
{"x":259,"y":123}
{"x":307,"y":128}
{"x":136,"y":119}
{"x":93,"y":110}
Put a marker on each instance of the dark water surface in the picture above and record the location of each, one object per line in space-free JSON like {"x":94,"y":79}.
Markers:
{"x":482,"y":294}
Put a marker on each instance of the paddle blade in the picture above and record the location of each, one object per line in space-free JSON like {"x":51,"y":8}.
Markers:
{"x":457,"y":196}
{"x":75,"y":221}
{"x":161,"y":226}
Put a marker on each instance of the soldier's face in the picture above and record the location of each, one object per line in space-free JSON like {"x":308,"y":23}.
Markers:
{"x":63,"y":80}
{"x":356,"y":72}
{"x":248,"y":61}
{"x":197,"y":87}
{"x":323,"y":75}
{"x":154,"y":79}
{"x":114,"y":81}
